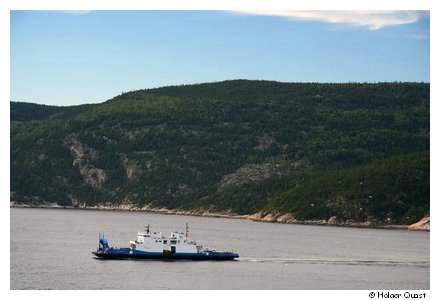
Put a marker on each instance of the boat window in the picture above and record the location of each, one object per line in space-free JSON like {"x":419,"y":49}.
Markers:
{"x":164,"y":241}
{"x":173,"y":242}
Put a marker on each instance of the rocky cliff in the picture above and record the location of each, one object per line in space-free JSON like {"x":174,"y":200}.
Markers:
{"x":358,"y":152}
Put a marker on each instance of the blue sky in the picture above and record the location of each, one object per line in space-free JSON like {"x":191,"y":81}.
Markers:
{"x":75,"y":57}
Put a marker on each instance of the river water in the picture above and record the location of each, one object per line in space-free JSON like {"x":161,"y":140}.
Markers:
{"x":51,"y":249}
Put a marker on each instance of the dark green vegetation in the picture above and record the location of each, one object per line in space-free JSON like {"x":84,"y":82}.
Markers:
{"x":23,"y":111}
{"x":353,"y":151}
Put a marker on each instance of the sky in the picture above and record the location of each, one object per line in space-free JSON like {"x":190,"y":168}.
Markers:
{"x":68,"y":58}
{"x":76,"y":57}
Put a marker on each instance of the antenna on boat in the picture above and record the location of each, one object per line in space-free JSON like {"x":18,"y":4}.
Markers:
{"x":148,"y":228}
{"x":186,"y":230}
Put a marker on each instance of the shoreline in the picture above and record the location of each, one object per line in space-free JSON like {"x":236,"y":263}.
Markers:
{"x":422,"y":225}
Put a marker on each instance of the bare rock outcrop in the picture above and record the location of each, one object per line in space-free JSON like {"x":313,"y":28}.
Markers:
{"x":132,"y":169}
{"x":248,"y":173}
{"x":82,"y":157}
{"x":423,"y":224}
{"x":265,"y":142}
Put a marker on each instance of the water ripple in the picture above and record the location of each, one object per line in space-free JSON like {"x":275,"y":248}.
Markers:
{"x":391,"y":263}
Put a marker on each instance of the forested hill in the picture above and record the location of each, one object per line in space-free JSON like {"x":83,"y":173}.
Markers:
{"x":23,"y":111}
{"x":313,"y":151}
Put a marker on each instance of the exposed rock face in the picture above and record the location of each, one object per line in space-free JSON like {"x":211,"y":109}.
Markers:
{"x":93,"y":176}
{"x":82,"y":155}
{"x":80,"y":152}
{"x":423,"y":224}
{"x":265,"y":142}
{"x":132,"y":169}
{"x":249,"y":172}
{"x":333,"y":221}
{"x":273,"y":218}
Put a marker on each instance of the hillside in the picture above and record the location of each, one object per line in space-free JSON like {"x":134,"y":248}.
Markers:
{"x":23,"y":111}
{"x":235,"y":146}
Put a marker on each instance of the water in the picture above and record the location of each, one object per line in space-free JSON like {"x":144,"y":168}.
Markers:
{"x":51,"y":249}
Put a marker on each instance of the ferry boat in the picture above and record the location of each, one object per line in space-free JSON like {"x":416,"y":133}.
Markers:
{"x":153,"y":245}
